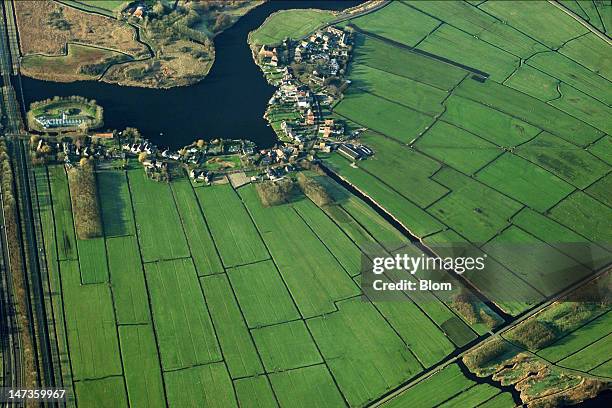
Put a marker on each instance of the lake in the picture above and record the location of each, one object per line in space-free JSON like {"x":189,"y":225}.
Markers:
{"x":229,"y":103}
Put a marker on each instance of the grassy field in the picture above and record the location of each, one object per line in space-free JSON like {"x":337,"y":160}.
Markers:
{"x":289,"y":23}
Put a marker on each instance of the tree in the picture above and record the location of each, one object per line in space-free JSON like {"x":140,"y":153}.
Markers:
{"x":34,"y":140}
{"x":142,"y":156}
{"x":200,"y":143}
{"x":83,"y":162}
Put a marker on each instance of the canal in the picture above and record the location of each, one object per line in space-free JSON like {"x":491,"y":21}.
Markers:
{"x":229,"y":103}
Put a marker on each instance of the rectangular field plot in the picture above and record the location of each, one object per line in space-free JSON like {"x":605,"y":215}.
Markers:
{"x":457,"y":147}
{"x":200,"y":242}
{"x":405,"y":91}
{"x":584,"y":107}
{"x":111,"y":390}
{"x":398,"y":23}
{"x":127,"y":281}
{"x":185,"y":334}
{"x":534,"y":261}
{"x":237,"y":239}
{"x":472,"y":209}
{"x":600,"y":190}
{"x":604,"y":370}
{"x":362,"y":368}
{"x":530,"y":110}
{"x":262,"y":295}
{"x":315,"y":282}
{"x":386,"y":57}
{"x":402,"y":169}
{"x":528,"y":183}
{"x":458,"y":46}
{"x":255,"y":392}
{"x":201,"y":386}
{"x":160,"y":232}
{"x":590,"y":51}
{"x":62,"y":210}
{"x":534,"y":82}
{"x":409,"y":214}
{"x":115,"y":202}
{"x":472,"y":397}
{"x":92,"y":260}
{"x":578,"y":339}
{"x":394,"y":120}
{"x":90,"y":324}
{"x":141,"y":366}
{"x":237,"y":346}
{"x":602,"y":149}
{"x":503,"y":400}
{"x":488,"y":123}
{"x":586,"y":216}
{"x":285,"y":346}
{"x":591,"y":356}
{"x":569,"y":162}
{"x":433,"y":390}
{"x":306,"y":387}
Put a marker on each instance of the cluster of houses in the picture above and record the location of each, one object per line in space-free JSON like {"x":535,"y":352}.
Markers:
{"x":327,"y":50}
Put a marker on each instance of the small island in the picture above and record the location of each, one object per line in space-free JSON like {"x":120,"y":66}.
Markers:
{"x":65,"y":114}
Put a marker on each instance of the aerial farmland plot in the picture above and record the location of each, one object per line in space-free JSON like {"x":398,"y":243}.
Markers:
{"x":473,"y":136}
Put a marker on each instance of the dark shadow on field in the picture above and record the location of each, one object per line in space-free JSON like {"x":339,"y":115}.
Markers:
{"x":113,"y":203}
{"x":338,"y":194}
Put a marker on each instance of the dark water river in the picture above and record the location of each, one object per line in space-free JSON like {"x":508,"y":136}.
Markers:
{"x":228,"y":103}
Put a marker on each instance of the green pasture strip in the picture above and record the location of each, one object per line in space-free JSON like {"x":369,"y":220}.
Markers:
{"x":529,"y":184}
{"x":110,"y":5}
{"x":294,"y":24}
{"x":488,"y":123}
{"x":346,"y":252}
{"x":586,"y":216}
{"x":159,"y":227}
{"x":306,"y":387}
{"x":531,"y":17}
{"x":476,"y":22}
{"x":127,"y":280}
{"x":592,"y":52}
{"x":602,"y":149}
{"x":584,"y":107}
{"x":286,"y":346}
{"x":45,"y":206}
{"x":255,"y":392}
{"x":62,"y":209}
{"x":591,"y":356}
{"x":92,"y":260}
{"x":262,"y":296}
{"x":141,"y":366}
{"x":116,"y":204}
{"x":398,"y":23}
{"x":90,"y":323}
{"x":396,"y":88}
{"x":410,"y":169}
{"x":600,"y":190}
{"x":473,"y":209}
{"x":534,"y":82}
{"x":200,"y":242}
{"x":494,"y":280}
{"x":237,"y":346}
{"x":562,"y":238}
{"x":570,"y":72}
{"x":366,"y":228}
{"x":236,"y":237}
{"x":569,"y":162}
{"x":457,"y":148}
{"x":362,"y":368}
{"x":314,"y":277}
{"x":185,"y":333}
{"x":407,"y":213}
{"x":111,"y":390}
{"x":604,"y":370}
{"x":458,"y":46}
{"x":387,"y":57}
{"x":542,"y":266}
{"x":394,"y":120}
{"x":472,"y":397}
{"x":432,"y":390}
{"x":201,"y":386}
{"x":578,"y":339}
{"x":595,"y":16}
{"x":502,"y":400}
{"x":529,"y":109}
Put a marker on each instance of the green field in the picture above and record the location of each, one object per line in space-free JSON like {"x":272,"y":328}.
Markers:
{"x":289,"y":24}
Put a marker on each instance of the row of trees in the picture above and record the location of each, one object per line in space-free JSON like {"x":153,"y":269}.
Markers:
{"x":16,"y":266}
{"x":84,"y":195}
{"x":313,"y":190}
{"x":275,"y":192}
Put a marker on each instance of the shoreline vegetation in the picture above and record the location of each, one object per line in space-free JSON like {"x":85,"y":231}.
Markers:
{"x":158,"y":45}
